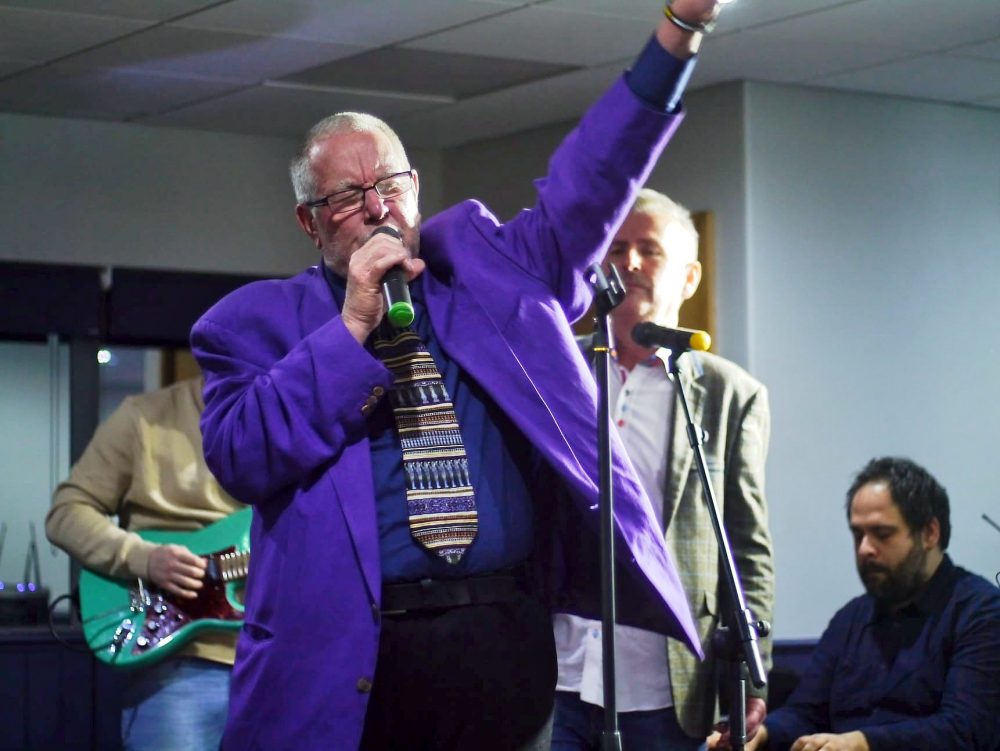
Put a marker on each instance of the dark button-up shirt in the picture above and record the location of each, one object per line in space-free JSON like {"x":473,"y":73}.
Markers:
{"x":927,"y":677}
{"x":501,"y":464}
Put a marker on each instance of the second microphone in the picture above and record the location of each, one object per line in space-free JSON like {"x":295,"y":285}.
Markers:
{"x":648,"y":334}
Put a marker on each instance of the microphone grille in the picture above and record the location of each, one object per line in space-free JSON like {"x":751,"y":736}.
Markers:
{"x":701,"y":341}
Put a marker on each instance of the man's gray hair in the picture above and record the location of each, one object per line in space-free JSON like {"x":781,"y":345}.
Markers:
{"x":654,"y":203}
{"x":303,"y":179}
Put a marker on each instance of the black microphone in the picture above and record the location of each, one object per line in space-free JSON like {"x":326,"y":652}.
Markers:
{"x":395,"y":291}
{"x":648,"y":334}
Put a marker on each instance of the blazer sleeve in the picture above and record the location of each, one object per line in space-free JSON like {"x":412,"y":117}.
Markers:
{"x":278,"y":411}
{"x":590,"y":185}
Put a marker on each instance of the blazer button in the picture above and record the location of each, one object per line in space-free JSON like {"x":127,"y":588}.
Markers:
{"x":364,"y":686}
{"x":378,"y":391}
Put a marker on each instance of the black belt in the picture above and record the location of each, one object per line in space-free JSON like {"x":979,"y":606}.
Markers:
{"x":442,"y":594}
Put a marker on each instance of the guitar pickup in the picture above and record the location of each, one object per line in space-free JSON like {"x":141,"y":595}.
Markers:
{"x":122,"y":634}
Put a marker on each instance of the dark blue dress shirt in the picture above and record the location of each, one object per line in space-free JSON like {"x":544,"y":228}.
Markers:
{"x":925,"y":678}
{"x":501,"y":464}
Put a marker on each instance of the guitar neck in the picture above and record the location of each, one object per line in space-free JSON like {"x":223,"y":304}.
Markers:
{"x":227,"y":566}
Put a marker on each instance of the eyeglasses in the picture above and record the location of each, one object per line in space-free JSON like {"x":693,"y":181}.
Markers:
{"x":352,"y":199}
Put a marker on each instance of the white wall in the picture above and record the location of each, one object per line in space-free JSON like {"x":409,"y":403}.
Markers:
{"x":78,"y":191}
{"x":704,"y":168}
{"x":874,"y":270}
{"x":87,"y":192}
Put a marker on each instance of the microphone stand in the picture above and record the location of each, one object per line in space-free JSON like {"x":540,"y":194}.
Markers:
{"x":738,"y":644}
{"x":609,"y":292}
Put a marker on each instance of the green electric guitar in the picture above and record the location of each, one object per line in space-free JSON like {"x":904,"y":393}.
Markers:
{"x":129,"y":622}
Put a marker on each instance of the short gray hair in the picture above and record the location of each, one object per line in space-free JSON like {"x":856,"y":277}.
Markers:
{"x":654,"y":203}
{"x":303,"y":178}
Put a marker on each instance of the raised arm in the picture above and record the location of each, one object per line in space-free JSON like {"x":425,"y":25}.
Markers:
{"x":595,"y":173}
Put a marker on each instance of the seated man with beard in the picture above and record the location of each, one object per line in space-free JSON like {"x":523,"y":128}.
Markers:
{"x":914,"y":663}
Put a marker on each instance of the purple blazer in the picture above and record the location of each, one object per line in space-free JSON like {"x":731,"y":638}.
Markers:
{"x":283,"y":428}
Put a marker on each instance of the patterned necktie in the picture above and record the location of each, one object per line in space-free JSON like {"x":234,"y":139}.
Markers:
{"x":439,"y":496}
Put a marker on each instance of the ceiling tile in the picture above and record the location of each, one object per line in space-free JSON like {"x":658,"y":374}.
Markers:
{"x":352,"y":22}
{"x":636,"y":10}
{"x":424,"y":71}
{"x":279,"y":111}
{"x":915,"y":25}
{"x":42,"y":35}
{"x":738,"y":15}
{"x":211,"y":54}
{"x":986,"y":50}
{"x":752,"y":14}
{"x":7,"y":67}
{"x":101,"y":94}
{"x":545,"y":34}
{"x":532,"y":105}
{"x":501,"y":59}
{"x":757,"y":55}
{"x":926,"y":77}
{"x":145,"y":11}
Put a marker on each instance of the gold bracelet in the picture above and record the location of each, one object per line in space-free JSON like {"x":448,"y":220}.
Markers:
{"x":680,"y":23}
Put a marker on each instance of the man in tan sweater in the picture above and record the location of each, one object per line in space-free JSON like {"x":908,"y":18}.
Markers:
{"x":145,"y":466}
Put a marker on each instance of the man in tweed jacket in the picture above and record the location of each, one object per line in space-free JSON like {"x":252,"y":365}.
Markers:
{"x":667,"y":697}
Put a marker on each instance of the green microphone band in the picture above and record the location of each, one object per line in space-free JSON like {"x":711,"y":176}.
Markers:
{"x":400,"y":314}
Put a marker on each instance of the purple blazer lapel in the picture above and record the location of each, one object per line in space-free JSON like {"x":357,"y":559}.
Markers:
{"x":526,"y":358}
{"x":504,"y":360}
{"x":317,"y":305}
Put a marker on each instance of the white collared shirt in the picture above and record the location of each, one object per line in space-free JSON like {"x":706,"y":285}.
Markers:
{"x":642,"y":407}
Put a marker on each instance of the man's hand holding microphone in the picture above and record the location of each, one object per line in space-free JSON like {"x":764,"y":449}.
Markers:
{"x":377,"y":279}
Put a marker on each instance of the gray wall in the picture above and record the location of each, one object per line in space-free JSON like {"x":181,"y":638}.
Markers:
{"x":78,"y":191}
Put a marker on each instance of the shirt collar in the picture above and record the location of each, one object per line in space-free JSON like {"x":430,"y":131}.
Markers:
{"x":932,"y":598}
{"x":337,"y":284}
{"x":937,"y":591}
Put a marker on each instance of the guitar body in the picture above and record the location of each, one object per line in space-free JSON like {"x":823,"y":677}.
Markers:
{"x":129,"y":623}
